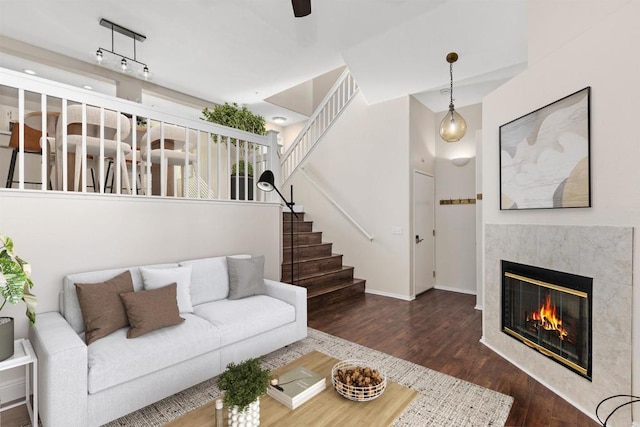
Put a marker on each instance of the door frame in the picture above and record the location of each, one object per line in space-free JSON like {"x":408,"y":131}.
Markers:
{"x":413,"y":221}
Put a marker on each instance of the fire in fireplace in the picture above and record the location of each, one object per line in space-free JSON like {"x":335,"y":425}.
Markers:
{"x":549,"y":311}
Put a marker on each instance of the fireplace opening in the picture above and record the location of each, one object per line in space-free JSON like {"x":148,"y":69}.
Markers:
{"x":549,"y":311}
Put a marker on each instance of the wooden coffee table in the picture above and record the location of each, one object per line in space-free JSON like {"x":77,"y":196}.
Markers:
{"x":328,"y":408}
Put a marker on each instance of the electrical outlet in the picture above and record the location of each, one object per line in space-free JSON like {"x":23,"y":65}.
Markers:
{"x":396,"y":230}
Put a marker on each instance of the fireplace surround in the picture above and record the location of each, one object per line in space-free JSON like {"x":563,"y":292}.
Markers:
{"x":604,"y":253}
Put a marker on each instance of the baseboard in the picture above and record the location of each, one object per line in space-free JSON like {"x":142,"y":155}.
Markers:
{"x":544,"y":383}
{"x":12,"y":390}
{"x":453,"y":289}
{"x":389,"y":294}
{"x":478,"y":307}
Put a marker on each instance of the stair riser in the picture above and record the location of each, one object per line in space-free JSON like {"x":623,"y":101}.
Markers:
{"x":286,"y":216}
{"x":314,"y":251}
{"x":341,"y":296}
{"x":306,"y":226}
{"x":302,"y":239}
{"x":313,"y":266}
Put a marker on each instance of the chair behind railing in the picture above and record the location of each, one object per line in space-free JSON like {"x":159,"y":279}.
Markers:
{"x":206,"y":173}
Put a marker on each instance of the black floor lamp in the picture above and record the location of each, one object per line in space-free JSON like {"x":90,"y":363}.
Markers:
{"x":266,"y":183}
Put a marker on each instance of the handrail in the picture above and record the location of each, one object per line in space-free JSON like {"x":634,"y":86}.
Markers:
{"x":336,"y":205}
{"x":35,"y":93}
{"x":333,"y":104}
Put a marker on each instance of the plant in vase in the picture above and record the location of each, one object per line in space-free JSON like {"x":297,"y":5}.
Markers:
{"x":241,"y":118}
{"x":15,"y":286}
{"x":243,"y":384}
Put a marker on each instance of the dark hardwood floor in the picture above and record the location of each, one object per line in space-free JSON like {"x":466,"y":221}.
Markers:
{"x":440,"y":330}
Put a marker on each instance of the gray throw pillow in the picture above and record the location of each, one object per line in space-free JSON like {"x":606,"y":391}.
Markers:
{"x":246,"y":277}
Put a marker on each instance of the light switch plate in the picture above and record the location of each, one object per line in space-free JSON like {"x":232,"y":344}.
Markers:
{"x":396,"y":230}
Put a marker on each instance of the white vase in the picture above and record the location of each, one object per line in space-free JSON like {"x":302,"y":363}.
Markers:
{"x":250,"y":417}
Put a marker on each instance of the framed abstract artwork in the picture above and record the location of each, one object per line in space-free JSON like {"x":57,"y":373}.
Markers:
{"x":544,"y":156}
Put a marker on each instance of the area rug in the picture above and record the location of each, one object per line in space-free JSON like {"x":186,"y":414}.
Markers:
{"x":442,"y":401}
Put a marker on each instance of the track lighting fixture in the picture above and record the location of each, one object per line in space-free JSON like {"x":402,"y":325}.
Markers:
{"x":126,"y":63}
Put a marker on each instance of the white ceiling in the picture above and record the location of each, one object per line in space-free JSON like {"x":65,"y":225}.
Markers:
{"x":248,"y":50}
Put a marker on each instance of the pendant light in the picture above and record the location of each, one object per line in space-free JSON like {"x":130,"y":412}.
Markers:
{"x":453,"y":126}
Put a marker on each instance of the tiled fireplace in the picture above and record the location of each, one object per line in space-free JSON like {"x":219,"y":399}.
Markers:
{"x":564,"y":293}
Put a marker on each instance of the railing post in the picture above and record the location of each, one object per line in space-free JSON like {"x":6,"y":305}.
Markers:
{"x":273,"y":162}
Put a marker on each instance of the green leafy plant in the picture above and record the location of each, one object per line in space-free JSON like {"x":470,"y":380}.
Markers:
{"x":243,"y":383}
{"x":233,"y":116}
{"x":238,"y":168}
{"x":15,"y":283}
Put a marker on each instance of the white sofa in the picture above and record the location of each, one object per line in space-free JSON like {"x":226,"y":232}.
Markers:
{"x":88,"y":385}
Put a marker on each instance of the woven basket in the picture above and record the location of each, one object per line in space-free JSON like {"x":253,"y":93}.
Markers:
{"x":352,"y":392}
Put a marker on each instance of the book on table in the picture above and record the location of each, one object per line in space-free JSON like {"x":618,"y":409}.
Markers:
{"x":297,"y":386}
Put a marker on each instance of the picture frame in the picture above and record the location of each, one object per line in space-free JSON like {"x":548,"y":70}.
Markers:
{"x":545,"y":156}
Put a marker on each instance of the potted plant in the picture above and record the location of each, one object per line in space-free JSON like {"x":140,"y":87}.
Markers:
{"x":243,"y":384}
{"x":241,"y":118}
{"x":15,"y":286}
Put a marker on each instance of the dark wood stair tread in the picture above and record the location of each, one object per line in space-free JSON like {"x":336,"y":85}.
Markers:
{"x":313,"y":293}
{"x":310,"y":259}
{"x":324,"y":273}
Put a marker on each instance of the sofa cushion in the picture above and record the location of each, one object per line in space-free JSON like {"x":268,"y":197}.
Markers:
{"x":246,"y":277}
{"x":209,"y":279}
{"x":150,"y":310}
{"x":115,"y":360}
{"x":247,"y":317}
{"x":101,"y":306}
{"x":69,"y":305}
{"x":154,"y":278}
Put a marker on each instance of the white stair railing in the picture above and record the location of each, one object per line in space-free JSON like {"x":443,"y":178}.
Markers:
{"x":322,"y":119}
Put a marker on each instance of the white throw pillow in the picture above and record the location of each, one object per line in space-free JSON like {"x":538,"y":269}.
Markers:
{"x":154,"y":278}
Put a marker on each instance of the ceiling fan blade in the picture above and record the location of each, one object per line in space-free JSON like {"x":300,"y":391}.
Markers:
{"x":301,"y":8}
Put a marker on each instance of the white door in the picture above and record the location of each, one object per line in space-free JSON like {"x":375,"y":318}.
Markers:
{"x":423,"y":226}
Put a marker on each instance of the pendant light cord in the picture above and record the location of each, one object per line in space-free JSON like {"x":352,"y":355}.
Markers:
{"x":451,"y":86}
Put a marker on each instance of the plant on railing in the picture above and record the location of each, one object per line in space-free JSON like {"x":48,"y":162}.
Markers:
{"x":236,"y":117}
{"x":15,"y":283}
{"x":238,"y":168}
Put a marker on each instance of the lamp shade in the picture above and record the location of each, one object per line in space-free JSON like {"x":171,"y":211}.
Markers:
{"x":453,"y":126}
{"x":265,"y":183}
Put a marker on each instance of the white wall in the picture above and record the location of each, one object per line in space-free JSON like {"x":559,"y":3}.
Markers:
{"x":602,"y":57}
{"x":456,"y":224}
{"x":363,"y":163}
{"x":567,"y":19}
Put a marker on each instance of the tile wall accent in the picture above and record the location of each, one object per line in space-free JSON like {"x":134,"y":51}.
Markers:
{"x":603,"y":253}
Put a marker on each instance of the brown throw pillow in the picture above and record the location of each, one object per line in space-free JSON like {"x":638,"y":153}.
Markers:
{"x":102,"y":309}
{"x":151,"y":310}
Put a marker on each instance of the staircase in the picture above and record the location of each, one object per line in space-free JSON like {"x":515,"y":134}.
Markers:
{"x":315,"y":267}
